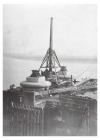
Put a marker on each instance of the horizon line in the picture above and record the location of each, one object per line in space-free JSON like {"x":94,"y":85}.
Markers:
{"x":61,"y":58}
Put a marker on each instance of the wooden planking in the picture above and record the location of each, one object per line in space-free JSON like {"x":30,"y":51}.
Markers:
{"x":25,"y":122}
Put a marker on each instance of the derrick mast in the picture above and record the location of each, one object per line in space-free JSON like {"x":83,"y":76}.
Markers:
{"x":50,"y":61}
{"x":50,"y":67}
{"x":50,"y":47}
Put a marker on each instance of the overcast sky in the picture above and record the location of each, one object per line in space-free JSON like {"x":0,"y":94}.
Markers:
{"x":26,"y":29}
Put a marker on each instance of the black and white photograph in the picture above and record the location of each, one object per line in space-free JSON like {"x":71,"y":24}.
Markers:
{"x":50,"y":70}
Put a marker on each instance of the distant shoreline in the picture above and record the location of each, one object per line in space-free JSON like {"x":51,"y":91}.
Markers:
{"x":61,"y":58}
